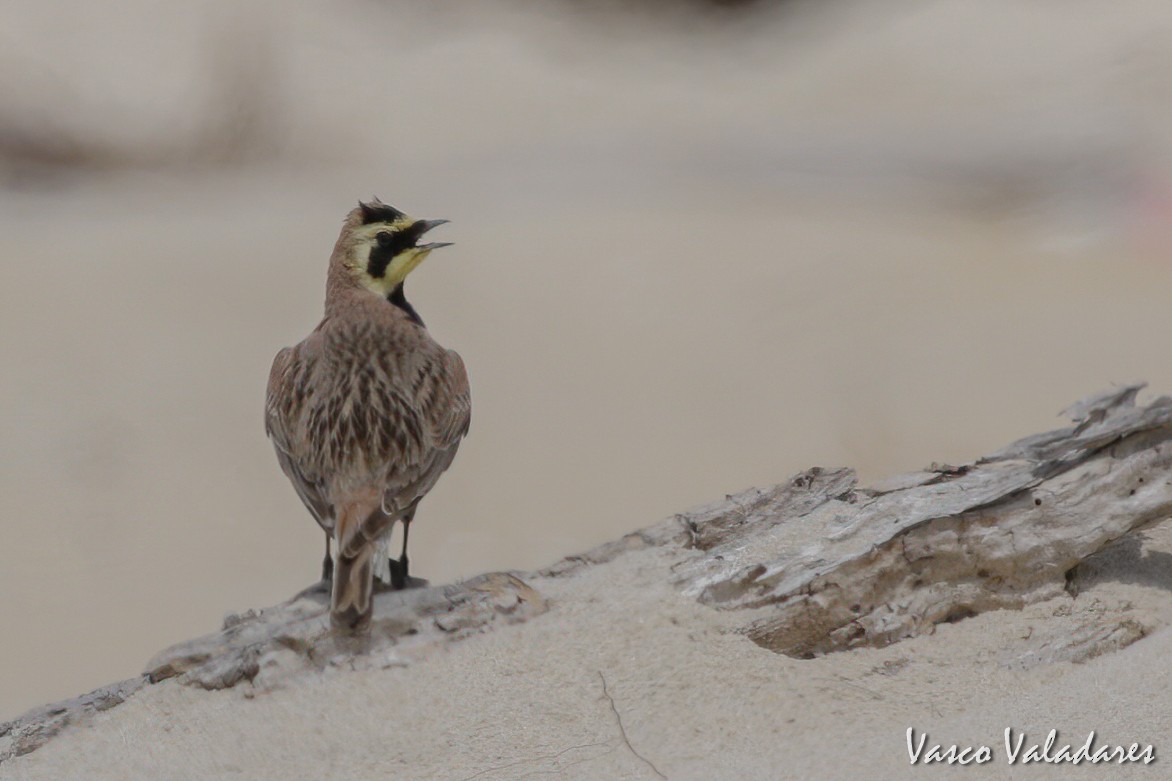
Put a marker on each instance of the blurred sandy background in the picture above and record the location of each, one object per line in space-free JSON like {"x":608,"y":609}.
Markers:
{"x":696,"y":250}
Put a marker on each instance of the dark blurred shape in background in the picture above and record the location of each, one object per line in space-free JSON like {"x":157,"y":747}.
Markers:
{"x":45,"y":140}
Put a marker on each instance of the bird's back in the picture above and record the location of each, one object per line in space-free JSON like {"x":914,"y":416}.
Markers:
{"x":368,"y":401}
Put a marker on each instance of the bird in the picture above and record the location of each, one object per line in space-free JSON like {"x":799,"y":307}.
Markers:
{"x":367,"y":412}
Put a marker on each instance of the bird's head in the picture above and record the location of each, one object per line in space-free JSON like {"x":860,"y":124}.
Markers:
{"x":380,"y":245}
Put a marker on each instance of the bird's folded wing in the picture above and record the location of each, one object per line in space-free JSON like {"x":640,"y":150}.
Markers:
{"x":286,"y":393}
{"x":455,"y":401}
{"x":441,"y":402}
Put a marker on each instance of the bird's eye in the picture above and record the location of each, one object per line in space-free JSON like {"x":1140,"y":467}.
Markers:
{"x":385,"y":238}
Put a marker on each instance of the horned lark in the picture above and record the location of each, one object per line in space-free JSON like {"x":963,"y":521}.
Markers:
{"x":367,"y":412}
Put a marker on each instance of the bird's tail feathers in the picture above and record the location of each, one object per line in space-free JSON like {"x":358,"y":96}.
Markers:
{"x":359,"y":525}
{"x":350,"y":602}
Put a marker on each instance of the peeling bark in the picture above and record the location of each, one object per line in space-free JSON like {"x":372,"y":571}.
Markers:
{"x":835,"y":566}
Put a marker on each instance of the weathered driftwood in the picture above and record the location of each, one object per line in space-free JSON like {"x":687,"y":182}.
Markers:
{"x":263,"y":646}
{"x":35,"y":728}
{"x":815,"y":565}
{"x":828,"y":565}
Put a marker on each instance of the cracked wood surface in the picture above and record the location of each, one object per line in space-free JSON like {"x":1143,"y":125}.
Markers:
{"x":827,"y":565}
{"x":815,"y":565}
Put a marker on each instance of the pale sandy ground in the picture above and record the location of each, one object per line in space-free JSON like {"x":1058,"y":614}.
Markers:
{"x":685,"y":264}
{"x":696,"y":700}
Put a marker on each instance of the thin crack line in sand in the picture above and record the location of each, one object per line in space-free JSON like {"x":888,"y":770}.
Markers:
{"x":539,"y":759}
{"x":569,"y":765}
{"x":623,"y":730}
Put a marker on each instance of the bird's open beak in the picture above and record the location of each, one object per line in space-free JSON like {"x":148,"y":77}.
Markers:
{"x":425,"y":226}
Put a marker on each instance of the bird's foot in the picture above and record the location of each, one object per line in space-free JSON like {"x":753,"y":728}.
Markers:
{"x":401,"y":580}
{"x":398,"y":575}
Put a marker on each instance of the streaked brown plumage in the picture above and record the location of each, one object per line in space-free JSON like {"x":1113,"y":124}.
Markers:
{"x":367,"y":412}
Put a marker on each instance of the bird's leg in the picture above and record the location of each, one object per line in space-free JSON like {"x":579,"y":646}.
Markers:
{"x":403,"y":554}
{"x":327,"y":564}
{"x":399,"y":576}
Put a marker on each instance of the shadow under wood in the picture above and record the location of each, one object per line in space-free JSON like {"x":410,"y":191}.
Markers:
{"x":1140,"y":559}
